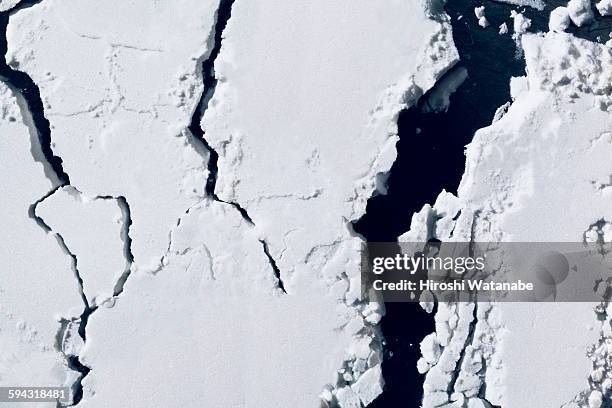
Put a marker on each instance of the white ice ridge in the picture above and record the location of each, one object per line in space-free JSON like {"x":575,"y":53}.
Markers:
{"x":303,"y":118}
{"x":37,"y":285}
{"x":540,"y":173}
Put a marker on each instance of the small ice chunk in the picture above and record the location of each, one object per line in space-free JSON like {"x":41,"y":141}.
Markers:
{"x":480,"y":15}
{"x":604,"y":7}
{"x":439,"y":97}
{"x":595,"y":399}
{"x":369,"y":385}
{"x":536,"y":4}
{"x":430,"y":348}
{"x":422,"y":365}
{"x":521,"y":23}
{"x":559,"y":20}
{"x":503,"y":28}
{"x":580,"y":12}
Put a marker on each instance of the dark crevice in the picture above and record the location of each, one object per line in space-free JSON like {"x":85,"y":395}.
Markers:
{"x":277,"y":272}
{"x":224,"y":13}
{"x":126,"y":213}
{"x":430,"y":158}
{"x":210,"y":82}
{"x":77,"y":387}
{"x":20,"y":83}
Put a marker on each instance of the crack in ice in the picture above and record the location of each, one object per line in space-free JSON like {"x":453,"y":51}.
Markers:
{"x":207,"y":70}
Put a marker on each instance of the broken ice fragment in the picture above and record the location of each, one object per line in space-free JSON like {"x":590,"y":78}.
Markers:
{"x":369,"y":385}
{"x":521,"y":23}
{"x":580,"y":12}
{"x":559,"y":20}
{"x":480,"y":15}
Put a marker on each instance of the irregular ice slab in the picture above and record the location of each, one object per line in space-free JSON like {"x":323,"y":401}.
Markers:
{"x":540,"y":173}
{"x":439,"y":96}
{"x":37,"y":286}
{"x":119,"y":100}
{"x":559,"y":20}
{"x":521,"y":24}
{"x":303,"y":117}
{"x":604,"y":7}
{"x":536,"y":4}
{"x":92,"y":231}
{"x":8,"y":4}
{"x":580,"y":12}
{"x":480,"y":15}
{"x":212,"y":327}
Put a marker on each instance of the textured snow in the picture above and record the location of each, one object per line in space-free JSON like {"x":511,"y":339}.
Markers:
{"x":552,"y":146}
{"x":211,"y":311}
{"x":37,"y":285}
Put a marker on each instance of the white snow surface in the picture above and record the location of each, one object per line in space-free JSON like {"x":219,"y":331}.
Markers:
{"x":551,"y":147}
{"x":37,"y":284}
{"x":201,"y":300}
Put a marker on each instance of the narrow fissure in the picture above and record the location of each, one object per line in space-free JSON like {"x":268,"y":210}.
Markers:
{"x":209,"y":79}
{"x":277,"y":273}
{"x":224,"y":13}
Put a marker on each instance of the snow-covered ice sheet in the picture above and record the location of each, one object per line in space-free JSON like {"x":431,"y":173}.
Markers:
{"x":249,"y":296}
{"x":119,"y":102}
